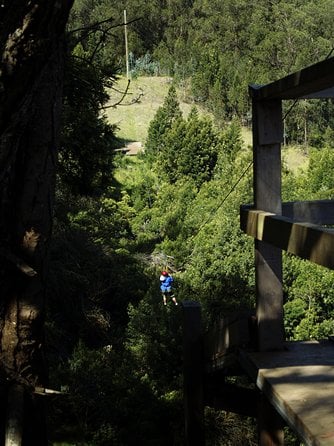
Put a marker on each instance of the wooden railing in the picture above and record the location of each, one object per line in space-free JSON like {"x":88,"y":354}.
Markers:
{"x":208,"y":359}
{"x":301,"y":228}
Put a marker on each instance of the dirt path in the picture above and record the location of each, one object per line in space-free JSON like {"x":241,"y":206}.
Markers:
{"x":133,"y":148}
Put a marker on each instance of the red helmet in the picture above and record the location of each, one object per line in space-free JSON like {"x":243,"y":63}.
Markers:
{"x":164,"y":273}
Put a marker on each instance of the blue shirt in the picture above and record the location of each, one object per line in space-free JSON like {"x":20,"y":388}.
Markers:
{"x":166,"y":284}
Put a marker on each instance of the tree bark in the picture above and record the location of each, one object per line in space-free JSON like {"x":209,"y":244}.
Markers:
{"x":31,"y":66}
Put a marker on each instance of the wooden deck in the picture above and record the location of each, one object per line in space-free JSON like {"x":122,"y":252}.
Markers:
{"x":299,"y":382}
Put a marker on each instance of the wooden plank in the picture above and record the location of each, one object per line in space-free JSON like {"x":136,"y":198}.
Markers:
{"x":193,"y":374}
{"x":308,"y":81}
{"x":299,"y":383}
{"x":318,"y":212}
{"x":307,"y":241}
{"x":322,"y":94}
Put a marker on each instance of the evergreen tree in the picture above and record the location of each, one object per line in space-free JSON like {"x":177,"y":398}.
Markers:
{"x":161,"y":123}
{"x":198,"y":154}
{"x":87,"y":141}
{"x":169,"y":157}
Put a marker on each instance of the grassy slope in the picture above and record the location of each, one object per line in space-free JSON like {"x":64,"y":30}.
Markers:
{"x":133,"y":120}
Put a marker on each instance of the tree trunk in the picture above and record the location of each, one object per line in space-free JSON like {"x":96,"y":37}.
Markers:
{"x":32,"y":49}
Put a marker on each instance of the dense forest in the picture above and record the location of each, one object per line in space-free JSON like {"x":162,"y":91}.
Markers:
{"x":112,"y":348}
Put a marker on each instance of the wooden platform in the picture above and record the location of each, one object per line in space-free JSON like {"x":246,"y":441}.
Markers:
{"x":299,"y":382}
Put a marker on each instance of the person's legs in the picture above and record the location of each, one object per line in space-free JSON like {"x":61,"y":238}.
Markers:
{"x":170,"y":295}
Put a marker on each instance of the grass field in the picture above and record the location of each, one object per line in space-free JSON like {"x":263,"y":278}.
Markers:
{"x":133,"y":120}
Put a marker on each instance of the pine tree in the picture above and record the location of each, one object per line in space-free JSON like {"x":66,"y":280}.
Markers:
{"x":198,"y":155}
{"x":161,"y":123}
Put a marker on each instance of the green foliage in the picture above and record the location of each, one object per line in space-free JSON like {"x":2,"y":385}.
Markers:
{"x":320,"y":167}
{"x":232,"y":140}
{"x":96,"y":221}
{"x":206,"y":75}
{"x":143,"y":66}
{"x":294,"y":312}
{"x":155,"y":340}
{"x":309,"y":309}
{"x":198,"y":154}
{"x":85,"y":155}
{"x":98,"y":27}
{"x":113,"y":405}
{"x":310,"y":122}
{"x":182,"y":148}
{"x":178,"y":206}
{"x":167,"y":164}
{"x":161,"y":123}
{"x":313,"y":182}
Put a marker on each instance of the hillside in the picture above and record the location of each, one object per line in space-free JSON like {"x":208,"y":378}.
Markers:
{"x":148,"y":94}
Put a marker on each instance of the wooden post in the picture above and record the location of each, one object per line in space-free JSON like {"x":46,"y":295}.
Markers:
{"x":267,"y":138}
{"x":270,"y":424}
{"x":14,"y":421}
{"x":193,"y":374}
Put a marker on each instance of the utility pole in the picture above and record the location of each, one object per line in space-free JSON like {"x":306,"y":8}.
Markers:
{"x":126,"y":46}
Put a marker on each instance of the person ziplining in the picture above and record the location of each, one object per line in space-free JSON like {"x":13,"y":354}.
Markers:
{"x":166,"y":281}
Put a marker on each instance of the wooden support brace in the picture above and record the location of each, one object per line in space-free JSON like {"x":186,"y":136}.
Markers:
{"x":193,"y":374}
{"x":14,"y":421}
{"x":270,"y":424}
{"x":267,"y":136}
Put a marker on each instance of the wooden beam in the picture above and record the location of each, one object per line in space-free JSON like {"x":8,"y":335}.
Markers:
{"x":270,"y":424}
{"x":310,"y":242}
{"x":15,"y":414}
{"x":328,"y":93}
{"x":267,"y":139}
{"x":318,"y":212}
{"x":267,"y":136}
{"x":193,"y":369}
{"x":312,"y":81}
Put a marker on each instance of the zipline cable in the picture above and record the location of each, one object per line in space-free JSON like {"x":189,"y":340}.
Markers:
{"x":223,"y":200}
{"x":247,"y":168}
{"x":296,"y":100}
